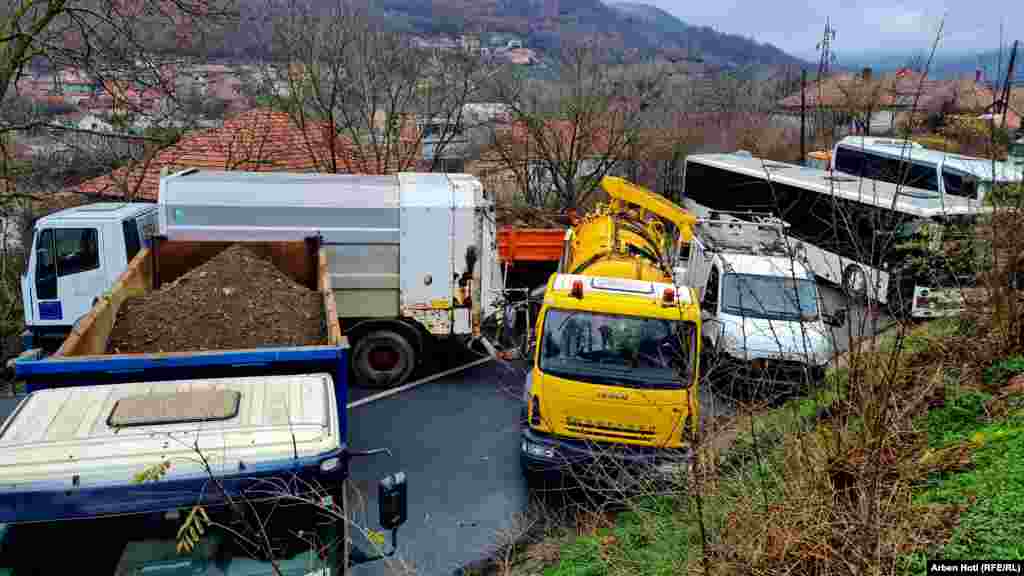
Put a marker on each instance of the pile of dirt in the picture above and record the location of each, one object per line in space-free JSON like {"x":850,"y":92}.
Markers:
{"x":235,"y":300}
{"x":524,"y":217}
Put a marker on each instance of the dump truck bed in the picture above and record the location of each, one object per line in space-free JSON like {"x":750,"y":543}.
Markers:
{"x":530,"y":244}
{"x":82,"y":358}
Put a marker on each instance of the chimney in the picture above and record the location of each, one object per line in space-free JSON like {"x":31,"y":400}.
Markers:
{"x":867,"y":74}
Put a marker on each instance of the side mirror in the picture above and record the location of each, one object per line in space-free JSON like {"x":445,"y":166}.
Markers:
{"x":838,"y":318}
{"x":393,"y":501}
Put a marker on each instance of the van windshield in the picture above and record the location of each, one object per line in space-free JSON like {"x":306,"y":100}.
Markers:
{"x":617,"y":350}
{"x":771,"y":297}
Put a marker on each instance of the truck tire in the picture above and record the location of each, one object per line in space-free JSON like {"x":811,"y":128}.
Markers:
{"x":855,"y":283}
{"x":382,"y":359}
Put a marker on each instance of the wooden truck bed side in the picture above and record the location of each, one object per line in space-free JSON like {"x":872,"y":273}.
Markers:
{"x":82,"y":358}
{"x":91,"y":335}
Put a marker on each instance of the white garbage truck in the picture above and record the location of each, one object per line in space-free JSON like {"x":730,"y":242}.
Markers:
{"x":410,"y":256}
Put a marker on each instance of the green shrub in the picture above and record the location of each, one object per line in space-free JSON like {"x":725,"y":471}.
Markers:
{"x":1000,"y":373}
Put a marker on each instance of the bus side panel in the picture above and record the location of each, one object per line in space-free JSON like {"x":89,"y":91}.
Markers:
{"x":842,"y":231}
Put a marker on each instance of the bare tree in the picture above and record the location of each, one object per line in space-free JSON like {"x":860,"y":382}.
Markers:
{"x":113,"y":40}
{"x":373,"y":97}
{"x":569,"y":134}
{"x":862,"y":97}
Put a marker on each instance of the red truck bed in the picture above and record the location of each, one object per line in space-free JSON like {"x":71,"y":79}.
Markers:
{"x":530,"y":244}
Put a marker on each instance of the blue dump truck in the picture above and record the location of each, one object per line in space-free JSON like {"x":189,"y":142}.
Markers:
{"x":214,"y":462}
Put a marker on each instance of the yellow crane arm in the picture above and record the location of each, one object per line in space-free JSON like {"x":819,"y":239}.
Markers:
{"x":627,"y":192}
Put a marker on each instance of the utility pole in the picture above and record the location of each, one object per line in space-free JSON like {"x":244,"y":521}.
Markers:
{"x":803,"y":116}
{"x":824,"y":64}
{"x":1006,"y":85}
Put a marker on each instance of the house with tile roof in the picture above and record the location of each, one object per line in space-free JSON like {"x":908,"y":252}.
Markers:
{"x":257,"y":140}
{"x":894,"y":97}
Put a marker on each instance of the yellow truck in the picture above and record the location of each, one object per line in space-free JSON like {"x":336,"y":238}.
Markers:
{"x":615,"y":370}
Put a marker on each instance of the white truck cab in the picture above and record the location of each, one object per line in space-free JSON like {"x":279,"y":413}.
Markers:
{"x":760,"y":306}
{"x":77,"y":255}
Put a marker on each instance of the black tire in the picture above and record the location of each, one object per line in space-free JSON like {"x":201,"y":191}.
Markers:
{"x":382,"y":359}
{"x":855,"y":283}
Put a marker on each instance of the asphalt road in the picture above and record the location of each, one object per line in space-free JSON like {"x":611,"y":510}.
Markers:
{"x":861,"y":321}
{"x":456,"y":439}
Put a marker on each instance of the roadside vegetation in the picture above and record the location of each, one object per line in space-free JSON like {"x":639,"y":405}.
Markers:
{"x":792,"y":488}
{"x":910,"y":449}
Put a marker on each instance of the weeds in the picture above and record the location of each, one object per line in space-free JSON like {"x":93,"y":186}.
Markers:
{"x":1000,"y":373}
{"x":990,"y":494}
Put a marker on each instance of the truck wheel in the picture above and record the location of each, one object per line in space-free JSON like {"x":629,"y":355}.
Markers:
{"x":855,"y":283}
{"x":382,"y":359}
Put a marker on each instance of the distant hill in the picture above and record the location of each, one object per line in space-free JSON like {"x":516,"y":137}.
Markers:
{"x":651,"y":16}
{"x":629,"y":31}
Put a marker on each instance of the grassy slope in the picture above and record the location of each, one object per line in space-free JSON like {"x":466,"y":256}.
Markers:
{"x":993,"y":491}
{"x":662,"y":537}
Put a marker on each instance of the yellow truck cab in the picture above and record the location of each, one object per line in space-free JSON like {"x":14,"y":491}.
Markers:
{"x":614,"y":374}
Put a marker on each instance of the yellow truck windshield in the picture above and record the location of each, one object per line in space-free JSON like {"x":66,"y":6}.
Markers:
{"x":617,"y":350}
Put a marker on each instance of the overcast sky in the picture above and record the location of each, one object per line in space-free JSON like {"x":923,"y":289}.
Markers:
{"x":861,"y":25}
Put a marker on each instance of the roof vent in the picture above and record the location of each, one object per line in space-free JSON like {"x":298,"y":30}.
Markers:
{"x":175,"y":408}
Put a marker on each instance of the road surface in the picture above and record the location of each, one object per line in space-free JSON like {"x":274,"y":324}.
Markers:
{"x":456,"y":439}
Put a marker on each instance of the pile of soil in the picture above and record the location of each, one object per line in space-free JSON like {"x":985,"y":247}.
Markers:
{"x":234,"y":300}
{"x":524,"y":217}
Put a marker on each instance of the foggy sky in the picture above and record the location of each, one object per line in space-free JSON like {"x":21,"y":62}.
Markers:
{"x":861,"y":26}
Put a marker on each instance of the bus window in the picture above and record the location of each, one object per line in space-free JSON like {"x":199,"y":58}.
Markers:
{"x":959,"y":185}
{"x":923,"y":176}
{"x":849,"y":160}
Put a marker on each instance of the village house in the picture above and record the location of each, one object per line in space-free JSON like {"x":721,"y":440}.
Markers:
{"x":864,"y":103}
{"x":259,"y":140}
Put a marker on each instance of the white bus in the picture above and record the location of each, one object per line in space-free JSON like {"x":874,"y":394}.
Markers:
{"x":910,"y":164}
{"x":864,"y":235}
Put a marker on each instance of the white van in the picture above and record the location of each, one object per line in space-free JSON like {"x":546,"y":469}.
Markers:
{"x":887,"y":159}
{"x":760,"y":306}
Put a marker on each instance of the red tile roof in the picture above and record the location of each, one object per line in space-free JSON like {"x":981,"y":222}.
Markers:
{"x":560,"y":135}
{"x":259,"y":140}
{"x":895,"y":91}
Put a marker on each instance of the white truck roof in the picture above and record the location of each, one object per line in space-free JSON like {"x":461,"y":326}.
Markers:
{"x":61,"y":433}
{"x":765,"y":265}
{"x":760,"y":249}
{"x":203,"y":205}
{"x":113,"y":211}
